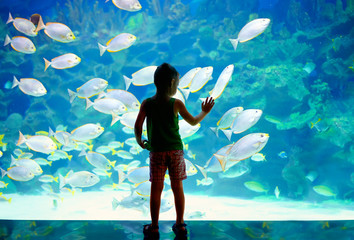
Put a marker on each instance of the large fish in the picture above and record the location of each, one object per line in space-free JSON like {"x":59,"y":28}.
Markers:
{"x":128,"y":5}
{"x":56,"y":31}
{"x":142,"y":77}
{"x":245,"y":147}
{"x":38,"y":143}
{"x":250,"y":31}
{"x":30,"y":86}
{"x":227,"y":119}
{"x":78,"y":179}
{"x":23,"y":25}
{"x":90,"y":88}
{"x":20,"y":44}
{"x":118,"y":43}
{"x":245,"y":120}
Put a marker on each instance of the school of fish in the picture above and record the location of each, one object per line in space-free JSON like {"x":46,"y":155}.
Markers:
{"x":123,"y":107}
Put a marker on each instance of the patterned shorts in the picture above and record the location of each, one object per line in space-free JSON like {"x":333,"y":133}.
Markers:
{"x":171,"y":160}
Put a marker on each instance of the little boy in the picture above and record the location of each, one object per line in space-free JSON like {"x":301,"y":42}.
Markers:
{"x":165,"y":144}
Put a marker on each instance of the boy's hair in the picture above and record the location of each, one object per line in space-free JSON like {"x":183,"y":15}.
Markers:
{"x":164,"y":75}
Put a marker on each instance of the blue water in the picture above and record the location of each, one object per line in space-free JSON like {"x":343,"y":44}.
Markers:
{"x":307,"y":112}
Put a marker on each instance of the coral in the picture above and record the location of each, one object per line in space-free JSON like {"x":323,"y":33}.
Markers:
{"x":320,"y":93}
{"x":296,"y":120}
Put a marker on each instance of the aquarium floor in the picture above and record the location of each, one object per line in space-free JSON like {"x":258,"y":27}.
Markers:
{"x":98,"y":206}
{"x":223,"y":230}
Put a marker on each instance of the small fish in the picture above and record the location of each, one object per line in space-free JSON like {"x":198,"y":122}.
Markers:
{"x":324,"y":191}
{"x":56,"y":31}
{"x":309,"y":67}
{"x":48,"y":178}
{"x":23,"y":25}
{"x":59,"y":154}
{"x":277,"y":192}
{"x":282,"y":154}
{"x":124,"y":154}
{"x":86,"y":132}
{"x":319,"y":125}
{"x":89,"y":89}
{"x":255,"y":186}
{"x":115,"y":145}
{"x":3,"y":184}
{"x":21,"y":44}
{"x":205,"y":182}
{"x":1,"y":154}
{"x":128,"y":5}
{"x":258,"y":157}
{"x":78,"y":179}
{"x":104,"y":149}
{"x":250,"y":31}
{"x":64,"y":61}
{"x":38,"y":143}
{"x":30,"y":86}
{"x":142,"y":77}
{"x":118,"y":43}
{"x":18,"y":173}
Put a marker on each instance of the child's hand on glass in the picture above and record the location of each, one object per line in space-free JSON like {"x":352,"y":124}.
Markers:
{"x":208,"y":104}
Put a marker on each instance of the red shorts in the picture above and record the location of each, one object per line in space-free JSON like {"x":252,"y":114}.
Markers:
{"x":171,"y":160}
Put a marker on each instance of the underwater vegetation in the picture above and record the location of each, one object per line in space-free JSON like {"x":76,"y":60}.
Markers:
{"x":297,"y":72}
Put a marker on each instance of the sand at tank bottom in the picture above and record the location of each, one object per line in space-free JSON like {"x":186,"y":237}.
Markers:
{"x":98,"y":206}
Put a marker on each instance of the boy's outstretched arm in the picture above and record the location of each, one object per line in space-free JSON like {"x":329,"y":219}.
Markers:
{"x":207,"y":105}
{"x":138,"y":127}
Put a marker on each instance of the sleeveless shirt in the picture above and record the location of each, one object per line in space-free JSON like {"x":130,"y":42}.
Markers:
{"x":162,"y":126}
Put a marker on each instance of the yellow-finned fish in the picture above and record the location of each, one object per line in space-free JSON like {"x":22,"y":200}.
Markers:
{"x":38,"y":143}
{"x":56,"y":31}
{"x":23,"y":25}
{"x":245,"y":147}
{"x":86,"y":132}
{"x":64,"y":61}
{"x":30,"y":86}
{"x":21,"y":44}
{"x":142,"y":77}
{"x":18,"y":173}
{"x":222,"y":82}
{"x":89,"y":89}
{"x":251,"y":30}
{"x":129,"y":100}
{"x":118,"y":43}
{"x":128,"y":5}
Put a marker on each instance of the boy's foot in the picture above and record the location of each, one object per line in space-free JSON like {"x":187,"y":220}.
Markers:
{"x":151,"y":232}
{"x":180,"y":229}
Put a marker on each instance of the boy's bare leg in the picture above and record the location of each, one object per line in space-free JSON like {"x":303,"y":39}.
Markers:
{"x":177,"y":188}
{"x":155,"y":201}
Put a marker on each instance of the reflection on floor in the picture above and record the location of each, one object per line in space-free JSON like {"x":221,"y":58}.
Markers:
{"x":76,"y":230}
